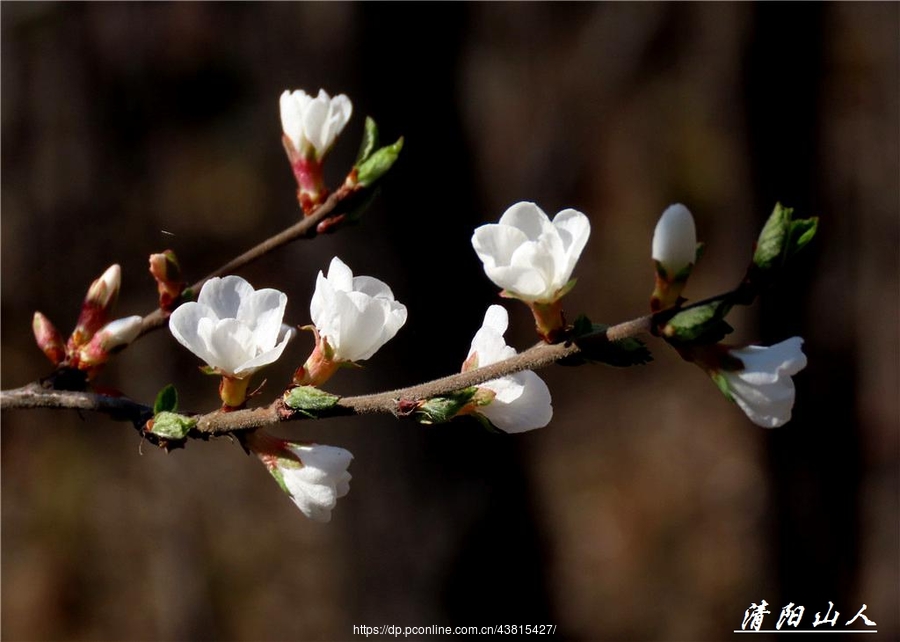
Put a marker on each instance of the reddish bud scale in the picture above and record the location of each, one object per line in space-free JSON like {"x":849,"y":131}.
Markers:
{"x":165,"y":270}
{"x":548,"y":319}
{"x":48,"y":339}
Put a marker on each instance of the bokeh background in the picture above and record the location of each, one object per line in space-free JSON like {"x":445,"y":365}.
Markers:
{"x":650,"y":508}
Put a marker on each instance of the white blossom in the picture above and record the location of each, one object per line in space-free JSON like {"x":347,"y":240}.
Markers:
{"x":763,"y":388}
{"x":675,"y":239}
{"x":356,"y":314}
{"x":321,"y":478}
{"x":235,"y":329}
{"x":522,"y":400}
{"x":313,"y":124}
{"x":529,"y":256}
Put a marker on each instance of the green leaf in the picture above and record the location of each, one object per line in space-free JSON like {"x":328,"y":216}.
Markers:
{"x":166,"y":400}
{"x":438,"y":410}
{"x":369,"y":141}
{"x":596,"y":348}
{"x":700,"y":324}
{"x":170,"y":425}
{"x":722,"y":384}
{"x":378,"y":164}
{"x":802,"y":232}
{"x":309,"y":400}
{"x":782,"y":237}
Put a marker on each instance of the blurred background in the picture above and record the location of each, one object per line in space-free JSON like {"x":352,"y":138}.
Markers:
{"x":650,"y":508}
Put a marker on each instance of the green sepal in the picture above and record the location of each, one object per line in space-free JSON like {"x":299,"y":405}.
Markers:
{"x":369,"y":141}
{"x":208,"y":370}
{"x":276,"y":473}
{"x":187,"y":294}
{"x":486,"y":423}
{"x":700,"y":324}
{"x":309,"y":400}
{"x":722,"y":384}
{"x":596,"y":348}
{"x":438,"y":410}
{"x":378,"y":163}
{"x":170,"y":425}
{"x":166,"y":400}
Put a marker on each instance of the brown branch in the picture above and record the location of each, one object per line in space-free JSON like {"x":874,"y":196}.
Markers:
{"x":219,"y":423}
{"x":303,"y":228}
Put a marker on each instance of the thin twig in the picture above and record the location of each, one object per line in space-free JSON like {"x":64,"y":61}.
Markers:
{"x":302,"y":228}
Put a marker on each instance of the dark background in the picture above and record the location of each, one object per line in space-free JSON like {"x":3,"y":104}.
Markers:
{"x":650,"y":508}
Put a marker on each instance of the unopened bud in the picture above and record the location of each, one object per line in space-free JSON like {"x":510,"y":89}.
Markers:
{"x":110,"y":338}
{"x":674,"y":252}
{"x":165,"y":269}
{"x":48,"y":339}
{"x":100,"y":299}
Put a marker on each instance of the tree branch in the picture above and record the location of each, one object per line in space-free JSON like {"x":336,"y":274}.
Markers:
{"x":219,"y":423}
{"x":303,"y":228}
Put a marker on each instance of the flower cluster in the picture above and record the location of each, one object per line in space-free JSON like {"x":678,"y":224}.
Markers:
{"x":95,"y":338}
{"x":236,"y":330}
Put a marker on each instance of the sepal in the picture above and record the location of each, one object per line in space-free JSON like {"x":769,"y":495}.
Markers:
{"x":438,"y":410}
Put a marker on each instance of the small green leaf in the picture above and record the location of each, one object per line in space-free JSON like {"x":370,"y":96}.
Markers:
{"x":772,"y":241}
{"x":369,"y":141}
{"x":166,"y":400}
{"x":700,"y":324}
{"x":782,"y":237}
{"x":378,"y":164}
{"x":802,"y":232}
{"x":596,"y":348}
{"x":309,"y":400}
{"x":438,"y":410}
{"x":582,"y":326}
{"x":170,"y":425}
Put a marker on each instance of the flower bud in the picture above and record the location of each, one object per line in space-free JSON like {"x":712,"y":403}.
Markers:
{"x":165,"y":269}
{"x":95,"y":311}
{"x":310,"y":126}
{"x":48,"y":339}
{"x":674,"y":251}
{"x":110,"y":338}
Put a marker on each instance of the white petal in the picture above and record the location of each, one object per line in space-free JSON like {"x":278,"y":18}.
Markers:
{"x":527,"y":217}
{"x":232,"y":345}
{"x":340,"y":276}
{"x":574,"y":229}
{"x":521,"y":404}
{"x":262,"y":312}
{"x":265,"y":358}
{"x":494,"y":244}
{"x":185,"y":325}
{"x":291,"y":118}
{"x":223,"y":295}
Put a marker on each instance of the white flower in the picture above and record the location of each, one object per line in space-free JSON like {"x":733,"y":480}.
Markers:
{"x":357,"y":315}
{"x":675,"y":239}
{"x":313,"y":124}
{"x":233,"y":328}
{"x":529,"y":256}
{"x":763,"y":388}
{"x":316,"y":485}
{"x":522,"y":400}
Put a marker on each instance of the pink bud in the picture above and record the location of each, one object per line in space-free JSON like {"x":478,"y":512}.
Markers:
{"x":110,"y":338}
{"x":165,"y":269}
{"x":48,"y":339}
{"x":95,"y":311}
